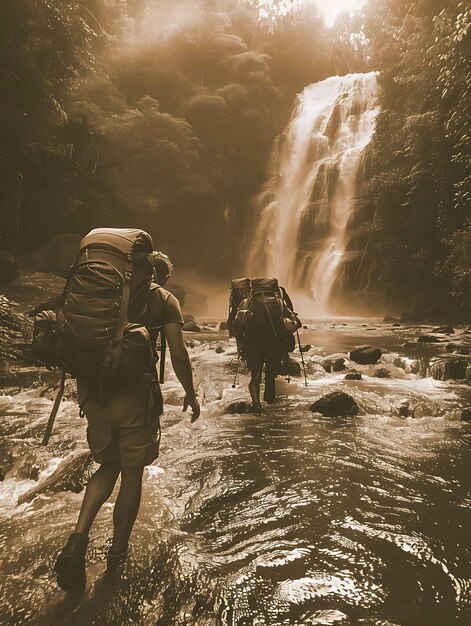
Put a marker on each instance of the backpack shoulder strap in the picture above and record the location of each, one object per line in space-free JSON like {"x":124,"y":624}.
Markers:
{"x":113,"y":357}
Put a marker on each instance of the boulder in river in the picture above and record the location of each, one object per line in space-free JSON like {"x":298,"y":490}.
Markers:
{"x":460,"y":348}
{"x":191,"y":327}
{"x":335,"y":404}
{"x":334,"y":363}
{"x":290,"y":367}
{"x":381,"y":372}
{"x":188,"y":318}
{"x":428,"y":339}
{"x":444,"y":330}
{"x":223,"y":326}
{"x":365,"y":355}
{"x":70,"y":475}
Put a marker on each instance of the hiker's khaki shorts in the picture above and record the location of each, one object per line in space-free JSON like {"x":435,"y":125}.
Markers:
{"x":123,"y":425}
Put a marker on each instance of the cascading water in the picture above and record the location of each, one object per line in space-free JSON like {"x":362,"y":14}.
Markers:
{"x":306,"y":206}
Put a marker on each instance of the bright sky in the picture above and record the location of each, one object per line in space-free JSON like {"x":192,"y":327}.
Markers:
{"x":331,"y":8}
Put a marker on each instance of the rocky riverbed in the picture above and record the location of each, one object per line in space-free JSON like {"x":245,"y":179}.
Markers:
{"x":291,"y":517}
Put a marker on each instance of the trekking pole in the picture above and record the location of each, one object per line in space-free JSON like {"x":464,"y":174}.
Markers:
{"x":55,"y":408}
{"x":234,"y":384}
{"x":302,"y":358}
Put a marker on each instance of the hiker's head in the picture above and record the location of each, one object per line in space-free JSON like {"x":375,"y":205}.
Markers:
{"x":163,"y":267}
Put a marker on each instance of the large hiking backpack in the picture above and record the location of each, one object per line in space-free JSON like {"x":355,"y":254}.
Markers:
{"x":101,"y":319}
{"x":240,"y":289}
{"x":264,"y":314}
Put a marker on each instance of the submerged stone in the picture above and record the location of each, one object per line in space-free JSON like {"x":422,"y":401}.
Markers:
{"x":335,"y":404}
{"x":191,"y":327}
{"x":466,"y":414}
{"x":353,"y":376}
{"x":428,"y":339}
{"x":240,"y":408}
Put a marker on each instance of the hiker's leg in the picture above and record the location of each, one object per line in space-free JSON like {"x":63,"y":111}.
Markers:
{"x":99,"y":488}
{"x":127,"y":506}
{"x":255,"y":380}
{"x":270,"y":375}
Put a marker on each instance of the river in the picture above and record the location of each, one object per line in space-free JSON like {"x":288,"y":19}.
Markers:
{"x":290,"y":518}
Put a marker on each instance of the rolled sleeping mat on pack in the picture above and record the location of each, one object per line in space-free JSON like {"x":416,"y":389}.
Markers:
{"x":264,"y":285}
{"x":243,"y":284}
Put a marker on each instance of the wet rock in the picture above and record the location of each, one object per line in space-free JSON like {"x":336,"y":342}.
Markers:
{"x":335,"y":404}
{"x":315,"y":369}
{"x":446,"y":330}
{"x":404,"y":409}
{"x":219,"y":349}
{"x":290,"y":367}
{"x":305,"y":327}
{"x":449,"y":368}
{"x":428,"y":339}
{"x":27,"y":467}
{"x":460,"y":348}
{"x":239,"y":408}
{"x":334,"y":363}
{"x":353,"y":376}
{"x":381,"y":372}
{"x":223,"y":326}
{"x":71,"y":475}
{"x":365,"y":355}
{"x":396,"y":325}
{"x":188,"y":318}
{"x":305,"y":347}
{"x":191,"y":327}
{"x":390,"y":319}
{"x":466,"y":414}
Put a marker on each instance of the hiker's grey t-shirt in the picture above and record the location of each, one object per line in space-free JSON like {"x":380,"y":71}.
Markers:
{"x":163,"y":308}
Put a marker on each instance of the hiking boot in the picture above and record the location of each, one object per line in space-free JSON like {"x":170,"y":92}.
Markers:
{"x":113,"y":559}
{"x":256,"y":408}
{"x":70,"y":564}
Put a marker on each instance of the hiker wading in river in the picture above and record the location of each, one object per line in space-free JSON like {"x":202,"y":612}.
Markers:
{"x":263,"y":323}
{"x":122,"y":413}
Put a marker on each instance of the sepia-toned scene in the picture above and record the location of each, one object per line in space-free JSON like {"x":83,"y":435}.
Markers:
{"x":235,"y":312}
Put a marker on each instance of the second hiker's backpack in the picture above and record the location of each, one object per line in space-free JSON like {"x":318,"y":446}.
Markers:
{"x":101,"y":318}
{"x":265,"y":314}
{"x":240,"y":289}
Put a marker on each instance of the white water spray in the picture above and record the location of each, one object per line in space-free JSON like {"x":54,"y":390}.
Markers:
{"x":306,"y":206}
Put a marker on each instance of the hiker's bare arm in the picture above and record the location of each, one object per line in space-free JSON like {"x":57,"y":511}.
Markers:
{"x":181,"y":365}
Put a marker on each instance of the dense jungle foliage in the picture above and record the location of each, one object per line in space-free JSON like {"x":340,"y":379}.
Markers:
{"x":162,"y":114}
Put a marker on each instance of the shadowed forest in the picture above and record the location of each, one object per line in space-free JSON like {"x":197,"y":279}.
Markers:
{"x":163,"y":114}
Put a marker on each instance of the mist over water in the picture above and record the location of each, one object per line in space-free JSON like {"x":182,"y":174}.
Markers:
{"x":308,"y":202}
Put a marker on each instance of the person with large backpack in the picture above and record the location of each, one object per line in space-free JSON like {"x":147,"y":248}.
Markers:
{"x":107,"y":323}
{"x":264,"y":325}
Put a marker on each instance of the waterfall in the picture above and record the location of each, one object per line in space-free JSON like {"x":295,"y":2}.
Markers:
{"x":304,"y":209}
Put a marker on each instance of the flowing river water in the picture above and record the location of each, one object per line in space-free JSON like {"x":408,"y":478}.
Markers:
{"x":285,"y":519}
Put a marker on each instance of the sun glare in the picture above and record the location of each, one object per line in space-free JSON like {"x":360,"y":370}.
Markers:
{"x":330,"y":9}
